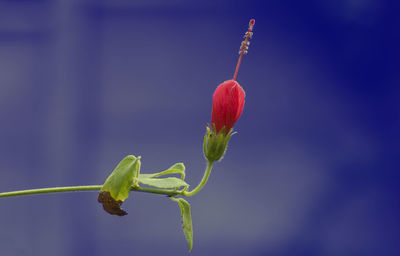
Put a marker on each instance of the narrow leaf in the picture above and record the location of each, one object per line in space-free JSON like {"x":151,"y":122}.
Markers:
{"x":186,"y":220}
{"x":146,"y":175}
{"x":176,"y":168}
{"x":170,"y":182}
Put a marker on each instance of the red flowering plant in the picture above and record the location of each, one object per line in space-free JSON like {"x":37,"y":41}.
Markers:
{"x":228,"y":103}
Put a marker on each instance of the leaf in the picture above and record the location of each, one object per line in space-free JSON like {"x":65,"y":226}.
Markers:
{"x":186,"y":220}
{"x":117,"y":186}
{"x":170,"y":182}
{"x":146,"y":175}
{"x":176,"y":168}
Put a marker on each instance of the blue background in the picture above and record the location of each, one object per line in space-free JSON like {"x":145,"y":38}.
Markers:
{"x":314,"y":169}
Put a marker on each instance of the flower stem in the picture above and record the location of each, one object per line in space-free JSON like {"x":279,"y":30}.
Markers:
{"x":83,"y":188}
{"x":202,"y":182}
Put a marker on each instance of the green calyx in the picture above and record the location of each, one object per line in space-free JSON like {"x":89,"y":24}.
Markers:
{"x":215,"y":144}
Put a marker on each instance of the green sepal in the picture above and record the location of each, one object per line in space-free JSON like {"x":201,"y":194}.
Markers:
{"x":118,"y":185}
{"x":186,"y":220}
{"x":215,"y":144}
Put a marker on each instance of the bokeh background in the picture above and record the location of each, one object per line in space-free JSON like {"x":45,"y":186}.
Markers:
{"x":312,"y":171}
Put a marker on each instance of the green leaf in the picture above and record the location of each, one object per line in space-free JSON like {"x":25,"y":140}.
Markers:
{"x":176,"y":168}
{"x":118,"y":185}
{"x":120,"y":180}
{"x":146,"y":175}
{"x":170,"y":182}
{"x":186,"y":220}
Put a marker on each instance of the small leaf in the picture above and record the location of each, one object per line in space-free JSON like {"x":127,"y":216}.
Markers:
{"x":186,"y":220}
{"x":170,"y":182}
{"x":146,"y":175}
{"x":118,"y":185}
{"x":176,"y":168}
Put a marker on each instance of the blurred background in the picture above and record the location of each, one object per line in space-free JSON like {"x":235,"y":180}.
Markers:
{"x":313,"y":170}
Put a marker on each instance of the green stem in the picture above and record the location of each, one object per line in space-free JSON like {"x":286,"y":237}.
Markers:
{"x":49,"y":190}
{"x":202,"y":182}
{"x":83,"y":188}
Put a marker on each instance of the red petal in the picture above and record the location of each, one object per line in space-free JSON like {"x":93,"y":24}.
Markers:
{"x":228,"y":102}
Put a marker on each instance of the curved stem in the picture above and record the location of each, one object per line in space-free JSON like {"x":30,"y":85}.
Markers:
{"x":202,"y":182}
{"x":82,"y":188}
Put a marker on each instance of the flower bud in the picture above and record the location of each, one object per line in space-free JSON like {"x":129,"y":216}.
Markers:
{"x":228,"y":102}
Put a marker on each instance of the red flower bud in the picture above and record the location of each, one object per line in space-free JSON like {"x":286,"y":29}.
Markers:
{"x":228,"y":102}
